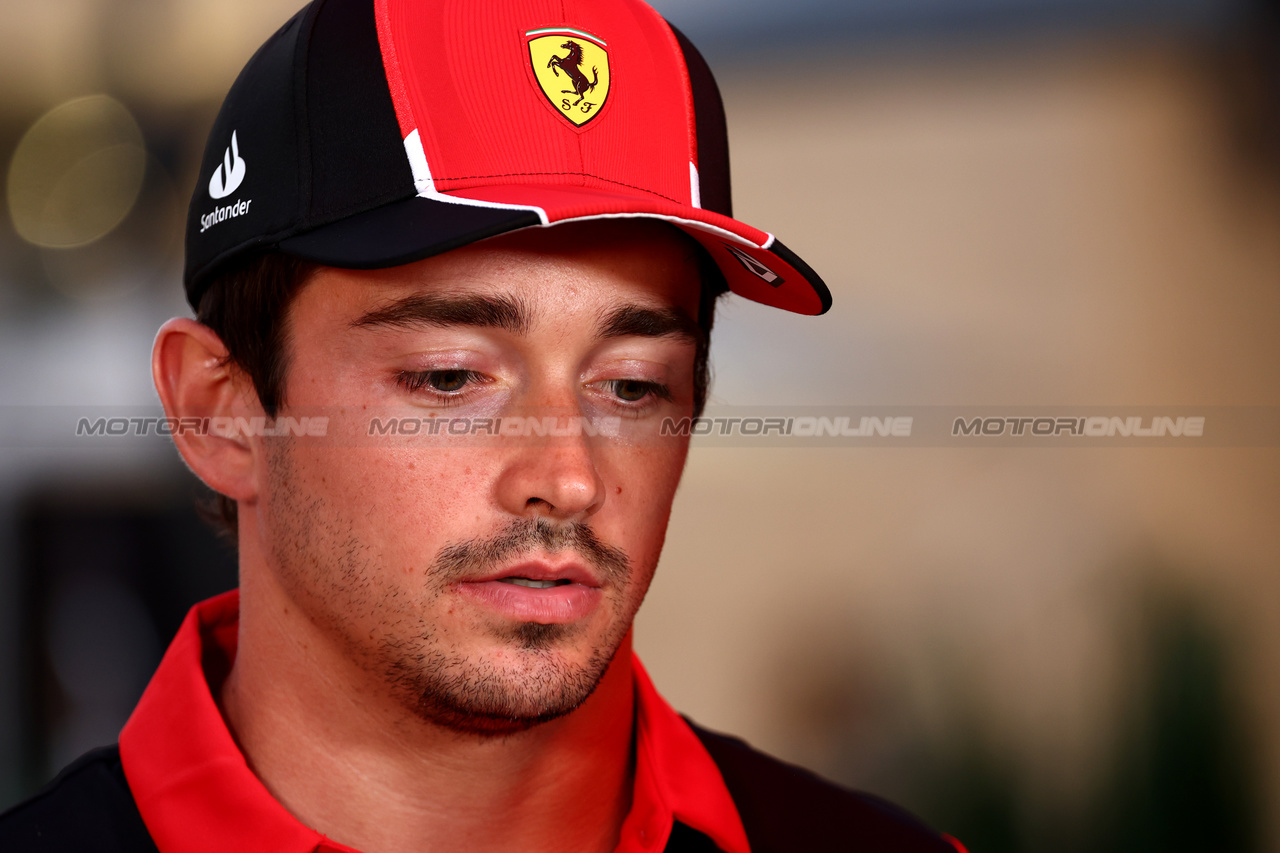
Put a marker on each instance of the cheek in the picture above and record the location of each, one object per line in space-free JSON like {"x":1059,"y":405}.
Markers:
{"x":641,"y":484}
{"x":404,"y":503}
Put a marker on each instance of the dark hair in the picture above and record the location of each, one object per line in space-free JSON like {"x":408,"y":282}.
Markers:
{"x":247,"y":307}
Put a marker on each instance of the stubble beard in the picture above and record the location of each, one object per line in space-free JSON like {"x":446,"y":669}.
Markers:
{"x":325,"y":567}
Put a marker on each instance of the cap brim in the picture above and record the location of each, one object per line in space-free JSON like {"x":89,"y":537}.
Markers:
{"x":755,"y":265}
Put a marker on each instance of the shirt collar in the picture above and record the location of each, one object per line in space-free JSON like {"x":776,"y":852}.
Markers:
{"x":675,"y":779}
{"x":196,"y":793}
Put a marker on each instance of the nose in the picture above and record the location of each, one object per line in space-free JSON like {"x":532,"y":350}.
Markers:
{"x":553,"y":477}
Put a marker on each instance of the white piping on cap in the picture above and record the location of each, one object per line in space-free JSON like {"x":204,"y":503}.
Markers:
{"x":422,"y":180}
{"x":426,"y":185}
{"x":722,"y":233}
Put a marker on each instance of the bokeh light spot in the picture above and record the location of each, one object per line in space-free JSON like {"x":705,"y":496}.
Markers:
{"x":76,"y":173}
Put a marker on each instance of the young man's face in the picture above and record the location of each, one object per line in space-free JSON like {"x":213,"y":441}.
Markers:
{"x":485,"y":579}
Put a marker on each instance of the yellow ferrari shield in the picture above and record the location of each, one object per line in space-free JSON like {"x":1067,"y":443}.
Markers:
{"x":572,"y":69}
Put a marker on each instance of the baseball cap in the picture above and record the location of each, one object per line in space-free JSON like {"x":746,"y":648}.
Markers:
{"x":372,"y":133}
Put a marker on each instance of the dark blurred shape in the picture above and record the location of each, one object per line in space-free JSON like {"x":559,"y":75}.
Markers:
{"x":971,"y":794}
{"x":1178,"y":776}
{"x":1184,"y":780}
{"x":1181,"y":778}
{"x":109,"y":571}
{"x":730,"y":32}
{"x":1246,"y":65}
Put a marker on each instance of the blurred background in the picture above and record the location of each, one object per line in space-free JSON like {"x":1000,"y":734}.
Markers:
{"x":1015,"y":203}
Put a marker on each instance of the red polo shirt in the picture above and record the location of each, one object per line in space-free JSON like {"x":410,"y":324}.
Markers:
{"x":197,"y":794}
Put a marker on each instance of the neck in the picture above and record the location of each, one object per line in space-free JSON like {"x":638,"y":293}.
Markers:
{"x":359,"y":768}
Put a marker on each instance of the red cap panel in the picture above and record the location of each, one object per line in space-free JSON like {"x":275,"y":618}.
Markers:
{"x":486,"y":93}
{"x":469,"y":64}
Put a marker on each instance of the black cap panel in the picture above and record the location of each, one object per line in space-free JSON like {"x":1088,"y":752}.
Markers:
{"x":357,"y":152}
{"x":249,"y":188}
{"x":713,"y":134}
{"x":403,"y":232}
{"x":315,"y":140}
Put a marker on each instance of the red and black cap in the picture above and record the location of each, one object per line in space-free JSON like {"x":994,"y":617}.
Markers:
{"x":373,"y":133}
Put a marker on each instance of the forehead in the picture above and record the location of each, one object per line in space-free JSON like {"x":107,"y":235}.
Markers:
{"x":556,"y":271}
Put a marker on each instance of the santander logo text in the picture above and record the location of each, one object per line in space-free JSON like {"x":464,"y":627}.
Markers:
{"x":227,"y":177}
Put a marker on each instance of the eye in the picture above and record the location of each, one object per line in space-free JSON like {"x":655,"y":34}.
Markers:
{"x":630,"y":390}
{"x":448,"y":380}
{"x":440,"y":381}
{"x":635,"y":390}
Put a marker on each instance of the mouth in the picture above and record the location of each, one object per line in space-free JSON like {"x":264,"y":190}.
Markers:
{"x":538,"y":573}
{"x":531,"y":583}
{"x":537,"y":591}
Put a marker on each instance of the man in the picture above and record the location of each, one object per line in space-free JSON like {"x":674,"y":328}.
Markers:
{"x":452,"y":265}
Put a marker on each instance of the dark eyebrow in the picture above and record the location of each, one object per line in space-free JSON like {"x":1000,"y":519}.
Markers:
{"x":435,"y":310}
{"x":650,"y":323}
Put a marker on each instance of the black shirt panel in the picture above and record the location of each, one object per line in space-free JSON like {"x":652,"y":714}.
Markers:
{"x":686,"y":839}
{"x":88,"y":808}
{"x":787,"y":808}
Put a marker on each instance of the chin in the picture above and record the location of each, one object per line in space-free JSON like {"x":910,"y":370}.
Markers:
{"x":536,"y":677}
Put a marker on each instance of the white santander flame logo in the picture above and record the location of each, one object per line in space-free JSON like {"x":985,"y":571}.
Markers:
{"x":227,"y":177}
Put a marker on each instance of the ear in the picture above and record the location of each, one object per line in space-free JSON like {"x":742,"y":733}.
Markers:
{"x":198,"y":388}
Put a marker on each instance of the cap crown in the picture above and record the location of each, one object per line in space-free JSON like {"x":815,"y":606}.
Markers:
{"x":372,"y":133}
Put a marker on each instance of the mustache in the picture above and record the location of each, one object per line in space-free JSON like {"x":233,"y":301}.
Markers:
{"x":478,"y":556}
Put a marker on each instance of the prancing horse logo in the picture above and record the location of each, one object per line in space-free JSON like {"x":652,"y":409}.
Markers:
{"x":558,"y":57}
{"x":571,"y":64}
